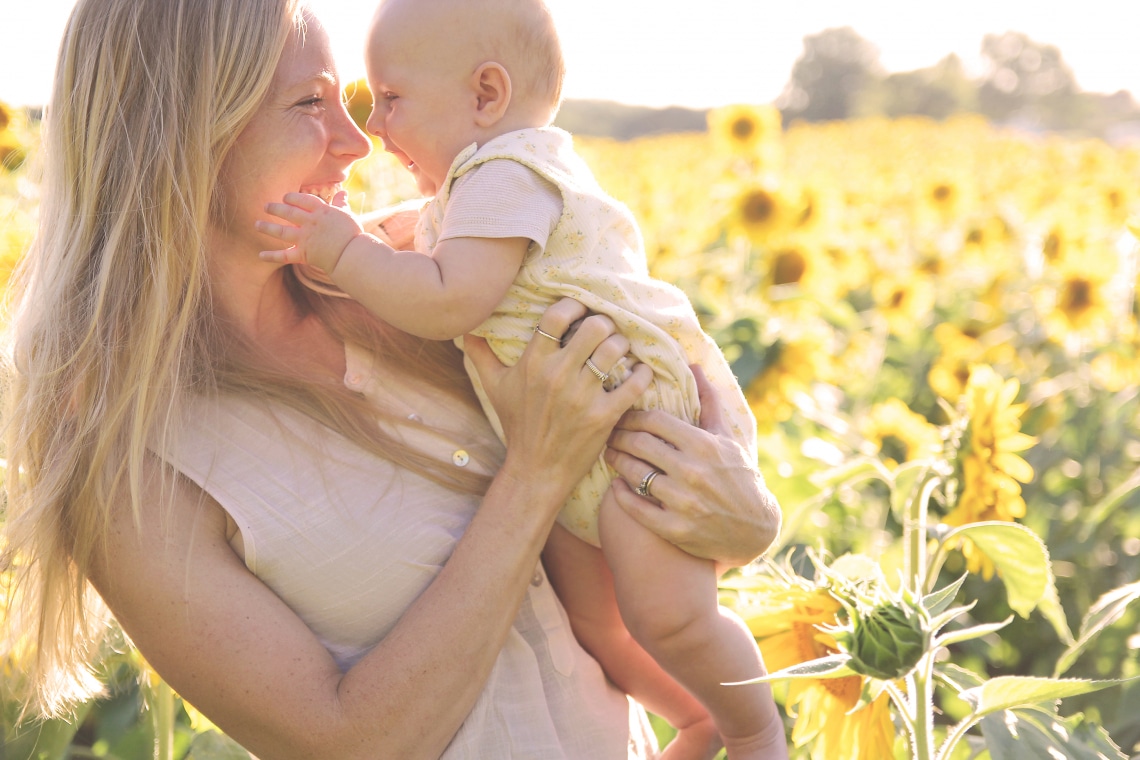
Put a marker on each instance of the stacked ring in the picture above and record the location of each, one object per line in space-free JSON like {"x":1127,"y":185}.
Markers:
{"x":643,"y":486}
{"x":597,"y":372}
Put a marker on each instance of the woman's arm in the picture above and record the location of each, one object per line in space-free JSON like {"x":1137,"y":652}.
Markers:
{"x":231,"y":647}
{"x":710,"y":499}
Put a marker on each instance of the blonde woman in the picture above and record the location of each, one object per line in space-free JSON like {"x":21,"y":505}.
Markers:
{"x":168,"y":390}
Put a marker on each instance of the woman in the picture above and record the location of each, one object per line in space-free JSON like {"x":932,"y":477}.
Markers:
{"x":192,"y":432}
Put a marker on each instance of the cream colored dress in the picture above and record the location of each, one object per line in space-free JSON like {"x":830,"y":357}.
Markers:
{"x":349,"y":542}
{"x":586,"y":245}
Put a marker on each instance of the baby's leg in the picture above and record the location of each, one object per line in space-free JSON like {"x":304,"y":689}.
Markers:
{"x":668,"y":600}
{"x":584,"y":585}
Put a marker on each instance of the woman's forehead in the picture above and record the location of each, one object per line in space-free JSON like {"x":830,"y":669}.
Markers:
{"x":307,"y":57}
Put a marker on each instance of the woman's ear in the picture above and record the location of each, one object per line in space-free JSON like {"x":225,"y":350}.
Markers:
{"x":492,"y":85}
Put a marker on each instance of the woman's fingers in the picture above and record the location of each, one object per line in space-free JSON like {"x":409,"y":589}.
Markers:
{"x":556,"y":320}
{"x":712,"y":412}
{"x":487,"y":365}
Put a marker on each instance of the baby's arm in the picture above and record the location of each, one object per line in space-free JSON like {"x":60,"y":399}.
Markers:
{"x":582,"y":580}
{"x":440,"y":296}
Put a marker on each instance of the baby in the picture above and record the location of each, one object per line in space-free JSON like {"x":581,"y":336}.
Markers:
{"x":464,"y":94}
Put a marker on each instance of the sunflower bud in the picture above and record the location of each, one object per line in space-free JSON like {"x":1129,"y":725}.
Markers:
{"x":887,"y":641}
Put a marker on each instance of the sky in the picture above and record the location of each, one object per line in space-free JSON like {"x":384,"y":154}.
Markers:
{"x":701,"y":53}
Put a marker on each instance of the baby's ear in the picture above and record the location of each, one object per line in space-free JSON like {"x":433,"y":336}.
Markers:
{"x":492,"y":85}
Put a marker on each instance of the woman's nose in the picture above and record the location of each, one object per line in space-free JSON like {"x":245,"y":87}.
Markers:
{"x":349,"y":141}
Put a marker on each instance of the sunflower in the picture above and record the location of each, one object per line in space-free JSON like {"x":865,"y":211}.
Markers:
{"x":991,"y":472}
{"x":787,"y":621}
{"x":5,"y":115}
{"x":893,"y":419}
{"x":745,"y":130}
{"x":758,"y":212}
{"x":1082,"y":303}
{"x":904,"y":300}
{"x":792,"y":364}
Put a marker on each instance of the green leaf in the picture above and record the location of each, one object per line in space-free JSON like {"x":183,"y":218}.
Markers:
{"x":852,"y":471}
{"x":1123,"y":495}
{"x":1007,"y":692}
{"x":1106,"y":611}
{"x":956,"y":677}
{"x":936,"y":601}
{"x":1039,"y":733}
{"x":907,"y":486}
{"x":833,"y":666}
{"x":1019,"y":556}
{"x":213,"y":745}
{"x":973,"y":632}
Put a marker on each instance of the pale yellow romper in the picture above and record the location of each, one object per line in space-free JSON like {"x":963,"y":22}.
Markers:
{"x":594,"y":254}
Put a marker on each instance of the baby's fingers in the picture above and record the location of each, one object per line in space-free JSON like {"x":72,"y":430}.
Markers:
{"x":288,"y":211}
{"x":285,"y":256}
{"x":284,"y":232}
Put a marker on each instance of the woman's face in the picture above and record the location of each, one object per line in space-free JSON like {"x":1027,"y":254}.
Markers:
{"x":300,"y":140}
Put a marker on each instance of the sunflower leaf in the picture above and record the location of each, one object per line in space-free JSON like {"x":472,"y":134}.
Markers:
{"x":938,"y":621}
{"x":973,"y":632}
{"x":1022,"y":561}
{"x":832,"y":666}
{"x":1008,"y":692}
{"x":1039,"y":733}
{"x":937,"y":601}
{"x":1102,"y":614}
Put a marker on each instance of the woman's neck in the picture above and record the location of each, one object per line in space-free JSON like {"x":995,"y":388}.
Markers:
{"x":255,"y":302}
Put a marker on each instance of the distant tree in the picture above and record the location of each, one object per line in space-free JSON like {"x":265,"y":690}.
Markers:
{"x":831,"y":77}
{"x":1028,"y":82}
{"x":938,"y":91}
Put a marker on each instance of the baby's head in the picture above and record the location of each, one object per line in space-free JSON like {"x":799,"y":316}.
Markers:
{"x":447,"y":73}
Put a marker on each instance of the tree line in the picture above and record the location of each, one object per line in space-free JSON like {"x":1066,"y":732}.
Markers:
{"x":1025,"y":84}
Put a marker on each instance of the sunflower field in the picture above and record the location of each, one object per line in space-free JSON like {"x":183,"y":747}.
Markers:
{"x":937,"y":328}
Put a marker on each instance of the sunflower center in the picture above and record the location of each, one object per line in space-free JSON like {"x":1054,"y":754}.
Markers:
{"x":743,"y":128}
{"x":789,"y":267}
{"x":758,"y":207}
{"x":1052,"y":247}
{"x":942,"y":193}
{"x":1077,"y":296}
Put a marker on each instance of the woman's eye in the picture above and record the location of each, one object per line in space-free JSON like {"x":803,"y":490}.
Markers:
{"x":313,"y":102}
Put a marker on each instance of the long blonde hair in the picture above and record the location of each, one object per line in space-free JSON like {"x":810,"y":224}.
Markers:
{"x":113,"y":327}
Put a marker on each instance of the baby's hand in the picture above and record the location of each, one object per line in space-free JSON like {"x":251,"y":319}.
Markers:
{"x":317,"y":231}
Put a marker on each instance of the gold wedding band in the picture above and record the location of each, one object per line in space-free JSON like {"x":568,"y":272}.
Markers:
{"x":539,"y":331}
{"x":643,"y":486}
{"x":597,"y":372}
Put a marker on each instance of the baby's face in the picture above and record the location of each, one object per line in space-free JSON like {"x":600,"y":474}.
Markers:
{"x":423,"y":102}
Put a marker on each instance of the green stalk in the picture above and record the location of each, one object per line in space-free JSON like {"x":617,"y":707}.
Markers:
{"x":922,"y":702}
{"x":914,"y":538}
{"x":163,"y":707}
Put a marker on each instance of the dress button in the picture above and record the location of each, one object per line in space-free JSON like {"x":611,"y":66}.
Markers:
{"x":536,"y":580}
{"x":415,"y":417}
{"x":460,"y":457}
{"x":353,"y":379}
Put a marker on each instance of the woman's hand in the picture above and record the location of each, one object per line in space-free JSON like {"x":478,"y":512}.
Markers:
{"x":708,"y":498}
{"x":555,"y":414}
{"x":395,"y":225}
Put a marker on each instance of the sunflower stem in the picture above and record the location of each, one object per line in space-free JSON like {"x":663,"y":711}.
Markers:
{"x":914,"y":537}
{"x":922,"y":704}
{"x":163,"y":707}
